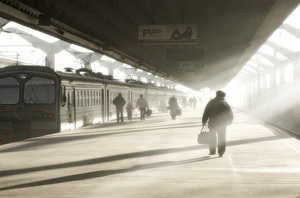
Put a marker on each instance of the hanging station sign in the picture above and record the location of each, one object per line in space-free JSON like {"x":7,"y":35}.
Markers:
{"x":167,"y":34}
{"x":193,"y":65}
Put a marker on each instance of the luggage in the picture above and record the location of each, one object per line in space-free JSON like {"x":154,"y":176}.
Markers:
{"x":204,"y":136}
{"x":178,"y":112}
{"x":149,"y":112}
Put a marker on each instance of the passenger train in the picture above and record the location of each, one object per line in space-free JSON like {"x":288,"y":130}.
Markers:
{"x":36,"y":100}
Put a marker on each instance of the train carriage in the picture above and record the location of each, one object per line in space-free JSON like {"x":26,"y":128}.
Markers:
{"x":29,"y":101}
{"x":83,"y":101}
{"x":36,"y":100}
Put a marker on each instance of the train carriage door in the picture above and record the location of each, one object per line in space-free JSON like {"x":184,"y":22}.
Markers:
{"x":107,"y":105}
{"x":71,"y":107}
{"x":103,"y":106}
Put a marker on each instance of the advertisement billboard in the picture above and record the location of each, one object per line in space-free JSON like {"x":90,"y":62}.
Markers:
{"x":167,"y":34}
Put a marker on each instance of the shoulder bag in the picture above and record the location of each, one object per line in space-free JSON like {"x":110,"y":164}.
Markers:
{"x":204,"y":136}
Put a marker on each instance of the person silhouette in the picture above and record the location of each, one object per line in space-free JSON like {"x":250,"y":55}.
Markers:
{"x":119,"y":102}
{"x":218,"y":113}
{"x":143,"y":105}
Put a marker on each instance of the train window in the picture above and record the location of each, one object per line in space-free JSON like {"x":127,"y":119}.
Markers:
{"x":81,"y":100}
{"x":98,"y":98}
{"x":84,"y":99}
{"x":92,"y":98}
{"x":91,"y":95}
{"x":78,"y":99}
{"x":39,"y":90}
{"x":101,"y":97}
{"x":9,"y":90}
{"x":88,"y":98}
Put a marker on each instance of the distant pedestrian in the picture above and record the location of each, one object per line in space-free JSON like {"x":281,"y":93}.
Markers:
{"x":119,"y":101}
{"x":184,"y":102}
{"x":218,"y":113}
{"x":173,"y":107}
{"x":129,"y":109}
{"x":143,"y":105}
{"x":191,"y":102}
{"x":194,"y":101}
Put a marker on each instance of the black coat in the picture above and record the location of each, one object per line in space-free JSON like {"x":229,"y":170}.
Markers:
{"x":119,"y":101}
{"x":218,"y":113}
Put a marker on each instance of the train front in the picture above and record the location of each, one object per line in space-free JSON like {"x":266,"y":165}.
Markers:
{"x":29,"y":102}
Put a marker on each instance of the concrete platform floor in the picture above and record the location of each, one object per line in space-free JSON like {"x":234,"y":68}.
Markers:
{"x":158,"y":157}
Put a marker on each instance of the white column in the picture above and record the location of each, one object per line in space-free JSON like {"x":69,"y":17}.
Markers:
{"x":111,"y":66}
{"x":50,"y":60}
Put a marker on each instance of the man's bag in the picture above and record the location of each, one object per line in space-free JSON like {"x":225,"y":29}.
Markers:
{"x":178,"y":112}
{"x":204,"y":136}
{"x":149,"y":112}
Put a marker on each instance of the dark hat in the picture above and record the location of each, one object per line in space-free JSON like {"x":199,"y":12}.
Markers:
{"x":220,"y":94}
{"x":119,"y":94}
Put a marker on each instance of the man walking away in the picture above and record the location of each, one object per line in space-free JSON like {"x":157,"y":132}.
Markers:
{"x":143,"y":105}
{"x":218,"y":113}
{"x":119,"y":101}
{"x":173,"y":107}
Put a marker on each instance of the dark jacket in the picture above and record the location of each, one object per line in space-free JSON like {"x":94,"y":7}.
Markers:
{"x":119,"y":101}
{"x":173,"y":104}
{"x":218,"y":113}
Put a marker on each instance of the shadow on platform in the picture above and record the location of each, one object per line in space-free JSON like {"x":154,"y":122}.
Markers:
{"x":103,"y":173}
{"x":128,"y":156}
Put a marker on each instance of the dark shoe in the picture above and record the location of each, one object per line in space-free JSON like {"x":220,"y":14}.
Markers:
{"x":220,"y":155}
{"x":211,"y":153}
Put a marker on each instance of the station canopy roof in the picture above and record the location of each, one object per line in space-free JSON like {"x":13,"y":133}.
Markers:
{"x":198,"y":43}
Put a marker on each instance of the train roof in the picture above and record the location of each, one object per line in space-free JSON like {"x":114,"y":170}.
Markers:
{"x":89,"y":76}
{"x":83,"y":75}
{"x":27,"y":68}
{"x":94,"y":77}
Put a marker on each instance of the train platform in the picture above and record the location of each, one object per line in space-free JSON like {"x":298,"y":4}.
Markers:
{"x":158,"y":157}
